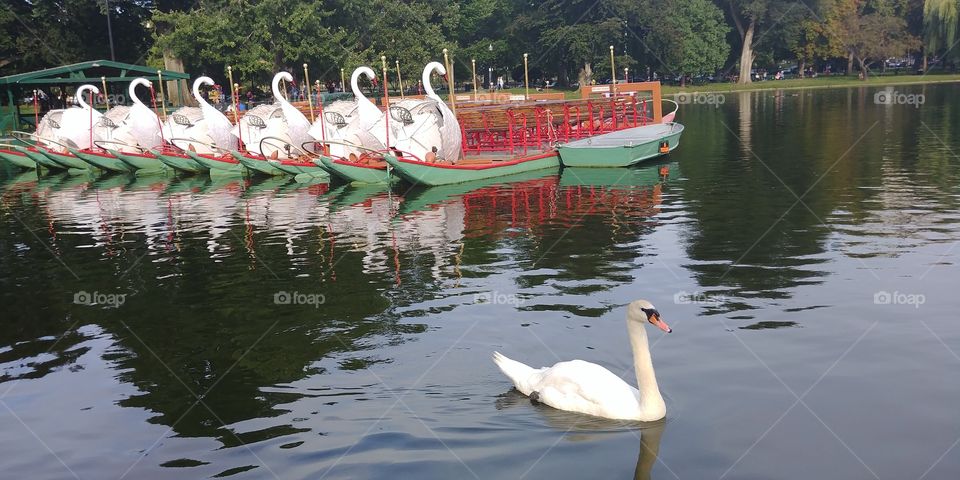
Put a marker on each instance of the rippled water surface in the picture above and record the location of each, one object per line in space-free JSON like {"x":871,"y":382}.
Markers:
{"x":801,"y":245}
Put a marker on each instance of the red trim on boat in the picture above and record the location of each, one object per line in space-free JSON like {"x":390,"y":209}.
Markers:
{"x":552,"y":153}
{"x":13,"y":152}
{"x":257,"y":157}
{"x":296,"y":163}
{"x":225,"y":158}
{"x":352,"y":164}
{"x":137,"y":154}
{"x":99,"y":154}
{"x":37,"y":150}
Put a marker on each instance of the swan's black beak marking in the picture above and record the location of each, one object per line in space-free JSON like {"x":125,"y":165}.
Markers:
{"x":653,"y":316}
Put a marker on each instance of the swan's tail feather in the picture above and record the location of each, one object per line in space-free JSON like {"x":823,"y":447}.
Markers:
{"x":517,"y":372}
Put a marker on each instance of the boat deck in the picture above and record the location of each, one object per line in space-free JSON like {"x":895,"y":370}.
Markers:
{"x":628,"y":137}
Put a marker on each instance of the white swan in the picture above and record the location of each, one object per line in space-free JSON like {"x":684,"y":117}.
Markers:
{"x":288,"y":124}
{"x":141,"y":127}
{"x":585,"y":387}
{"x":75,"y":123}
{"x":357,"y":129}
{"x":431,"y":126}
{"x":205,"y":125}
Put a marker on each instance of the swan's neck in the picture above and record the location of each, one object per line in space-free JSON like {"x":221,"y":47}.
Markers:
{"x":651,"y":402}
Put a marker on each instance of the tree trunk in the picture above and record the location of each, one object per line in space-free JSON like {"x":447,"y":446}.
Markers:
{"x":924,"y":63}
{"x":746,"y":54}
{"x":863,"y":67}
{"x":586,"y":75}
{"x":801,"y":68}
{"x":174,"y":88}
{"x":849,"y":63}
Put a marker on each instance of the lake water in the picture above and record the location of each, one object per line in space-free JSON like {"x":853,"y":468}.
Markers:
{"x":801,"y":244}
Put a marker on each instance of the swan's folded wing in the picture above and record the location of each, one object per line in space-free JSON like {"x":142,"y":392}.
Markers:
{"x":586,"y":387}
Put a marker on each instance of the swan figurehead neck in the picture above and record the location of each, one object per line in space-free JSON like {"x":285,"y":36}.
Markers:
{"x":80,"y":92}
{"x":132,"y":90}
{"x":355,"y":77}
{"x":644,"y":311}
{"x":275,"y":86}
{"x":196,"y":89}
{"x":427,"y":87}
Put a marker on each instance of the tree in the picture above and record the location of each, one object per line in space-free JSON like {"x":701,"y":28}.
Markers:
{"x":689,"y":36}
{"x":867,"y":33}
{"x":941,"y":20}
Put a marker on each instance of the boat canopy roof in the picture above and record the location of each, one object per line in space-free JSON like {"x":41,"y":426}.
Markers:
{"x":90,"y":72}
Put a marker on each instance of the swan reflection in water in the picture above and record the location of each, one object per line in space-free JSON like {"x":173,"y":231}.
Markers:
{"x":586,"y":428}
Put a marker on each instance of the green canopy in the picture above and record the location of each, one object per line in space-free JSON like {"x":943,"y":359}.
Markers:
{"x":75,"y":74}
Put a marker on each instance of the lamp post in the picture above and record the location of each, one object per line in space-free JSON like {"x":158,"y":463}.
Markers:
{"x":473,"y":66}
{"x":613,"y":74}
{"x":106,"y":3}
{"x":490,"y":69}
{"x":306,"y":79}
{"x":626,"y":74}
{"x":399,"y":78}
{"x":526,"y":78}
{"x":343,"y":88}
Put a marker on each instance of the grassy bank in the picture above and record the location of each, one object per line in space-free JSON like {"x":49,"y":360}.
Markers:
{"x":819,"y":82}
{"x":797,"y":83}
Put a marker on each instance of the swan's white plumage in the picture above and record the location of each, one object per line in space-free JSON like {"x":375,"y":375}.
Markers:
{"x":324,"y":128}
{"x":281,"y":121}
{"x":208,"y":126}
{"x":585,"y":387}
{"x":141,"y":126}
{"x":450,"y":128}
{"x":75,"y":124}
{"x":362,"y":117}
{"x":434,"y":126}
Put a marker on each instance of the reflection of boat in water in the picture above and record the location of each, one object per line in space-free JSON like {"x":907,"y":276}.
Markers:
{"x":648,"y":174}
{"x":424,"y":197}
{"x":352,"y":194}
{"x":265,"y":184}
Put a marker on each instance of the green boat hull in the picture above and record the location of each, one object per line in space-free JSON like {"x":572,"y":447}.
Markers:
{"x":217,"y":166}
{"x":257,"y":165}
{"x":17,"y":159}
{"x":355,"y":173}
{"x":179,"y":163}
{"x":41,"y":159}
{"x":139,"y":161}
{"x":103,"y":162}
{"x":315,"y":171}
{"x":427,"y":174}
{"x":73,"y":162}
{"x":593,"y":153}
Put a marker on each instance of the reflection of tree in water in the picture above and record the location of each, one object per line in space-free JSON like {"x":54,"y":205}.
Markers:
{"x":751,"y":235}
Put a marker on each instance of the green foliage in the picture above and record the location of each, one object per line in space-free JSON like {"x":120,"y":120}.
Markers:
{"x":45,"y":33}
{"x":940,"y":22}
{"x":689,"y":36}
{"x":566,"y":40}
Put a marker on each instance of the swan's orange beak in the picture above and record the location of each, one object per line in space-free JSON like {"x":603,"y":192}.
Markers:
{"x":655,"y":319}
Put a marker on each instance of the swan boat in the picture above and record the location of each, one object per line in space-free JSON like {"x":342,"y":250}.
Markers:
{"x":272,"y":131}
{"x":420,"y":129}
